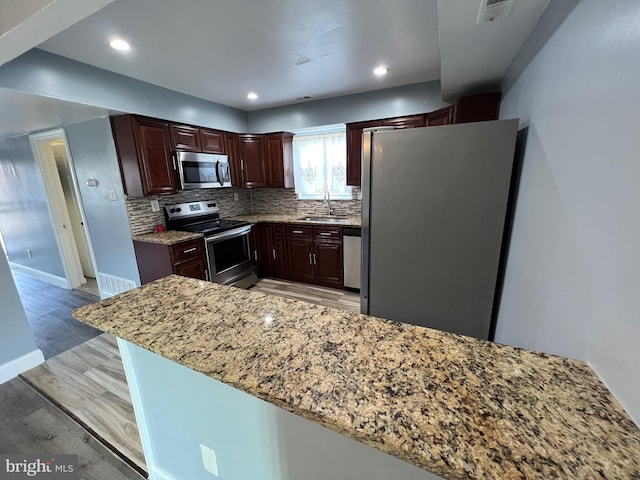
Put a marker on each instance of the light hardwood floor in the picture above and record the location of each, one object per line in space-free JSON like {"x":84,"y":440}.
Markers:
{"x":88,"y":381}
{"x":329,"y":297}
{"x":32,"y":425}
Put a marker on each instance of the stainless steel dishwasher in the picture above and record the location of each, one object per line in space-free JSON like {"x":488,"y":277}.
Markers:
{"x":352,"y":248}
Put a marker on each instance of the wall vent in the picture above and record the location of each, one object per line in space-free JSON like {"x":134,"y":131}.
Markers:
{"x":111,"y":285}
{"x":492,"y":9}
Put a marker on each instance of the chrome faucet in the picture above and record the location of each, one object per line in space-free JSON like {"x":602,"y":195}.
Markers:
{"x":327,"y":201}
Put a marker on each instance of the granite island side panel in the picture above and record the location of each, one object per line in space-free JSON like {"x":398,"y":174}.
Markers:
{"x":452,"y":405}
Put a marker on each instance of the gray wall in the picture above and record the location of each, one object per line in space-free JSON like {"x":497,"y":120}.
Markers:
{"x":252,"y":438}
{"x":25,"y":222}
{"x":390,"y":102}
{"x":44,"y":73}
{"x":16,"y":338}
{"x":94,"y":155}
{"x":573,"y":273}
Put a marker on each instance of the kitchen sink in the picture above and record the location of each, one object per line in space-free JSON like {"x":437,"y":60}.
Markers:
{"x":331,"y":219}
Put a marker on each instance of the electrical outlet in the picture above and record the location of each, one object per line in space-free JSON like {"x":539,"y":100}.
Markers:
{"x":112,"y":194}
{"x":236,"y":197}
{"x":209,"y":459}
{"x":155,"y":206}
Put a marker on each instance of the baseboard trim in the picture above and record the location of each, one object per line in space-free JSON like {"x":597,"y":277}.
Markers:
{"x":40,"y":275}
{"x":21,"y":364}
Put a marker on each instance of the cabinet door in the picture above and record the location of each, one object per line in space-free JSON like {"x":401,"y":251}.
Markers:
{"x":260,"y":240}
{"x":279,"y":159}
{"x":354,"y":150}
{"x":328,"y":263}
{"x":194,"y":268}
{"x":155,"y":157}
{"x":279,"y":267}
{"x":212,"y":141}
{"x":251,"y":151}
{"x":186,"y":138}
{"x":439,"y":117}
{"x":300,"y":254}
{"x":231,"y":143}
{"x":411,"y":121}
{"x":477,"y":108}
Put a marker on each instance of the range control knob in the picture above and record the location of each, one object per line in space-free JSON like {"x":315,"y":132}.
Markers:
{"x":173,"y":210}
{"x":211,"y":204}
{"x":178,"y":209}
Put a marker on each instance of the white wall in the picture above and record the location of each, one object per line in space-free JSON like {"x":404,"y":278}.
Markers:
{"x":573,"y":275}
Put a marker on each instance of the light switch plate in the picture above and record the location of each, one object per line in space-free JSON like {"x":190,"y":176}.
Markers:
{"x":155,"y":206}
{"x":112,"y":194}
{"x":209,"y":459}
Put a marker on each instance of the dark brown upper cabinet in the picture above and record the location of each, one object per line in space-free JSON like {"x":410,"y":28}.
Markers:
{"x":443,"y":116}
{"x":231,"y":145}
{"x":279,"y":159}
{"x":477,"y":108}
{"x":143,"y":146}
{"x":185,"y":138}
{"x":212,"y":141}
{"x":354,"y":149}
{"x":251,"y":154}
{"x":194,"y":139}
{"x":411,"y":121}
{"x":473,"y":108}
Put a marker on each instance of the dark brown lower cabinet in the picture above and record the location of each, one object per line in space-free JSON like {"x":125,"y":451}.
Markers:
{"x":328,"y":263}
{"x":156,"y":260}
{"x":300,"y":255}
{"x":303,"y":253}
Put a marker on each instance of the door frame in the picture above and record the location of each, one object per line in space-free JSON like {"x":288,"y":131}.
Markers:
{"x":57,"y":206}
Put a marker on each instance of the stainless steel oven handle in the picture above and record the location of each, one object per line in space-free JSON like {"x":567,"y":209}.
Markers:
{"x":236,"y":232}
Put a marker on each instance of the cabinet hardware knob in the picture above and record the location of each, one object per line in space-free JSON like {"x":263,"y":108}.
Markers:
{"x":310,"y":261}
{"x":190,"y":250}
{"x":297,"y":231}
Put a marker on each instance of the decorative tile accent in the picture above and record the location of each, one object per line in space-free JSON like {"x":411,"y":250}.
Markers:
{"x":251,"y":201}
{"x":143,"y":220}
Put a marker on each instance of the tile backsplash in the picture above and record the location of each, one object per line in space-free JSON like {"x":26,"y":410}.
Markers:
{"x":260,"y":200}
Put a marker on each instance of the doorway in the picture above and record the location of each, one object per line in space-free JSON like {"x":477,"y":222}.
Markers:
{"x":55,"y":164}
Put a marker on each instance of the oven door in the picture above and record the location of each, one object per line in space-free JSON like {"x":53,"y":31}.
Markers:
{"x":228,"y":255}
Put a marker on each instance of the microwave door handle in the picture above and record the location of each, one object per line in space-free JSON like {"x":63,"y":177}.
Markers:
{"x":218,"y":173}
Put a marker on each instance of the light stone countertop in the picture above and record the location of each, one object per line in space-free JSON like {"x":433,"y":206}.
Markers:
{"x":169,"y":237}
{"x":352,"y":221}
{"x":453,"y":405}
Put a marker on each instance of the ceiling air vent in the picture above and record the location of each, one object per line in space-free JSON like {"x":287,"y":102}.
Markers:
{"x":492,"y":9}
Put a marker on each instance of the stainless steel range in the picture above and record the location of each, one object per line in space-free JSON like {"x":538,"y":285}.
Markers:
{"x":227,"y":241}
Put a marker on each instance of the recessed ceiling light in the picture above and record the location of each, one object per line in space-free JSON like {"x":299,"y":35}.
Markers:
{"x":381,"y":70}
{"x":120,"y":44}
{"x":252,"y":95}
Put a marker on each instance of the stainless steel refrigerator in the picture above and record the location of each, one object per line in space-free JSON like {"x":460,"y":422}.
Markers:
{"x":434,"y":202}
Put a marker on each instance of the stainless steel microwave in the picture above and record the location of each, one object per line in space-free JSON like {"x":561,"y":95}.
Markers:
{"x":202,"y":170}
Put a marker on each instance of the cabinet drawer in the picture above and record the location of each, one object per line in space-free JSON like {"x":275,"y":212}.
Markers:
{"x":299,"y":231}
{"x":277,"y":230}
{"x":327,"y":234}
{"x":187,"y":250}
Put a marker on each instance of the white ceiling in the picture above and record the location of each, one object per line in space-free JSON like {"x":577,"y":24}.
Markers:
{"x":281,"y":49}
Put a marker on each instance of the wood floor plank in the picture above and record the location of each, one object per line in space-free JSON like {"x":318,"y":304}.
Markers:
{"x":48,"y":310}
{"x":89,"y":383}
{"x":29,"y":424}
{"x":113,"y":417}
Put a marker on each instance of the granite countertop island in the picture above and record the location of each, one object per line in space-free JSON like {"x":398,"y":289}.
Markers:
{"x":452,"y":405}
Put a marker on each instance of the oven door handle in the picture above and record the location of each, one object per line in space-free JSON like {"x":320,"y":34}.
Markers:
{"x":236,"y":232}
